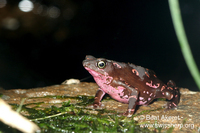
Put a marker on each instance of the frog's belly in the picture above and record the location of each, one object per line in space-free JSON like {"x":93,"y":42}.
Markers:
{"x":120,"y":99}
{"x":117,"y":93}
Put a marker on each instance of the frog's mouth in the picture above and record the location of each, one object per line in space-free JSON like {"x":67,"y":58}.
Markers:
{"x":95,"y":74}
{"x":99,"y":77}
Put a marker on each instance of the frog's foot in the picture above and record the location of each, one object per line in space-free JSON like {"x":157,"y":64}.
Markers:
{"x":174,"y":102}
{"x":129,"y":112}
{"x":170,"y":105}
{"x":176,"y":96}
{"x":95,"y":105}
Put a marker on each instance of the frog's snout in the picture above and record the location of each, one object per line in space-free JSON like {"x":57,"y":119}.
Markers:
{"x":86,"y":63}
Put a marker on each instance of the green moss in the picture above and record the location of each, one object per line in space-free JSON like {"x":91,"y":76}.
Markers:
{"x":77,"y":118}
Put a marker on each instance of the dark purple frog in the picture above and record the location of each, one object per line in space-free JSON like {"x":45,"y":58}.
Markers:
{"x":129,"y":83}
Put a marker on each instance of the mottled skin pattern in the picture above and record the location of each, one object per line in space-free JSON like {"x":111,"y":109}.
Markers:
{"x":129,"y":83}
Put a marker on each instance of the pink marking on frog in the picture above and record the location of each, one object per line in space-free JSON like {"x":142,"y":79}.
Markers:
{"x":126,"y":83}
{"x":153,"y":86}
{"x":151,"y":94}
{"x":147,"y":74}
{"x":143,"y":91}
{"x":134,"y":96}
{"x":117,"y":65}
{"x":172,"y":96}
{"x":109,"y":80}
{"x":170,"y":88}
{"x":149,"y":99}
{"x":147,"y":92}
{"x":141,"y":98}
{"x":174,"y":104}
{"x":122,"y":93}
{"x":141,"y":102}
{"x":135,"y":71}
{"x":163,"y":87}
{"x":126,"y":96}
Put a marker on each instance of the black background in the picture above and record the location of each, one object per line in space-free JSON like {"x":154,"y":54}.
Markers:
{"x":45,"y":51}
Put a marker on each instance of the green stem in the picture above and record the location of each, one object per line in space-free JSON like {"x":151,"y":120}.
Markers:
{"x":37,"y":119}
{"x":185,"y":48}
{"x":20,"y":106}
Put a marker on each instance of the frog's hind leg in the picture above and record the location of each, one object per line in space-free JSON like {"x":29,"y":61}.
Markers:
{"x":176,"y":95}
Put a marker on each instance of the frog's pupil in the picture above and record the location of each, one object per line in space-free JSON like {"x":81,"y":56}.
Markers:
{"x":101,"y":64}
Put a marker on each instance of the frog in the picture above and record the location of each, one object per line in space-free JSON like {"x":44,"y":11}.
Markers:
{"x":129,"y":83}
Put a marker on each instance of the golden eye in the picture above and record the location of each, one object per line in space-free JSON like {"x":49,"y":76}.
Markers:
{"x":101,"y":64}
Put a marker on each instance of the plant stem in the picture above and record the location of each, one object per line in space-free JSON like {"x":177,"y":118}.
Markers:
{"x":185,"y":48}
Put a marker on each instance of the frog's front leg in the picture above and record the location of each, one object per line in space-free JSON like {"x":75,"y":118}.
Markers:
{"x":132,"y":103}
{"x":176,"y":95}
{"x":97,"y":100}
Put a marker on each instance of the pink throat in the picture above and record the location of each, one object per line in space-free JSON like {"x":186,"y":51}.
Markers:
{"x":103,"y":81}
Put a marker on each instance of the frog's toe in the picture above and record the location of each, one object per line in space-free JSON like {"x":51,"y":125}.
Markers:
{"x":170,"y":105}
{"x":129,"y":113}
{"x":95,"y":105}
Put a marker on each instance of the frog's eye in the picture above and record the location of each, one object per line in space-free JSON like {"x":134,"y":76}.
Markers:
{"x":101,"y":64}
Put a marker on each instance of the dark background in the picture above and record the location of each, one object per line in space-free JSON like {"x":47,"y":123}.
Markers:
{"x":41,"y":48}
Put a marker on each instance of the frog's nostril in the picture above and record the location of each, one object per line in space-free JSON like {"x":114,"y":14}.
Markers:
{"x":85,"y":63}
